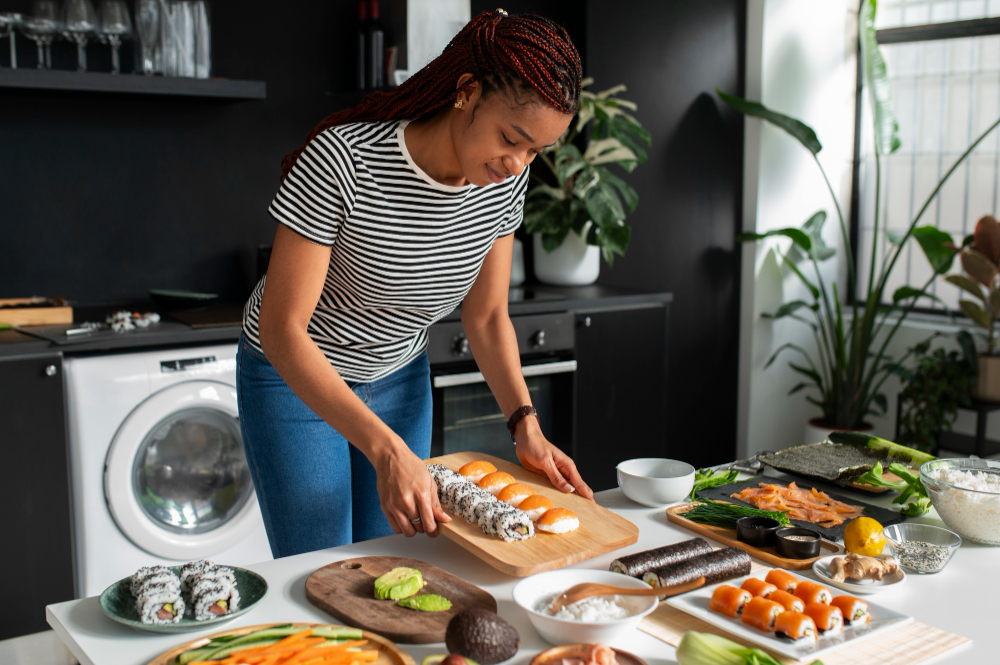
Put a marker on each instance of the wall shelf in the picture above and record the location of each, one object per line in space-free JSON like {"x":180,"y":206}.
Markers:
{"x":101,"y":82}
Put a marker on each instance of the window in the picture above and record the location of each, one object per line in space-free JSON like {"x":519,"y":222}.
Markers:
{"x":943,"y":60}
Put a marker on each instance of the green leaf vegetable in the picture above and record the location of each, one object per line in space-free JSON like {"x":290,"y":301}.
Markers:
{"x":916,"y":457}
{"x":909,"y":487}
{"x":709,"y":649}
{"x":725,"y":514}
{"x":705,"y":478}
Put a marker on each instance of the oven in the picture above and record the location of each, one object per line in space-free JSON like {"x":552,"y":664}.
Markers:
{"x":466,"y":415}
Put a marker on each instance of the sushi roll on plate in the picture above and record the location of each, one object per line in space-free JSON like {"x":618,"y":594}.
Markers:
{"x":828,"y":618}
{"x":160,"y":603}
{"x":191,"y":571}
{"x":496,"y":481}
{"x":151,"y":575}
{"x":474,"y":471}
{"x":783,"y":580}
{"x":558,"y":520}
{"x":214,"y":597}
{"x":795,"y":626}
{"x":790,"y":602}
{"x":536,"y":505}
{"x":810,"y":592}
{"x":761,"y":613}
{"x":515,"y":493}
{"x":758,"y":587}
{"x":854,"y":609}
{"x":729,"y":600}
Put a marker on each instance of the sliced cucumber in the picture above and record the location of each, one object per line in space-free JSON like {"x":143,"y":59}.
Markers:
{"x":222,"y":647}
{"x":861,"y":440}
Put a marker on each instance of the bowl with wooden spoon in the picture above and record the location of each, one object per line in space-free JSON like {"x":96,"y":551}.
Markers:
{"x":598,"y":605}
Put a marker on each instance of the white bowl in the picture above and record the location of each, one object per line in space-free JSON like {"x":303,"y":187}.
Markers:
{"x":655,"y":481}
{"x":531,"y":590}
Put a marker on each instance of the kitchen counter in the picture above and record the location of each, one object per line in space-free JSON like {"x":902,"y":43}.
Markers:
{"x":959,"y":599}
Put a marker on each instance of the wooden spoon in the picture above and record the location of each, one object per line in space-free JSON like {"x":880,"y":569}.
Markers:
{"x":587,"y":589}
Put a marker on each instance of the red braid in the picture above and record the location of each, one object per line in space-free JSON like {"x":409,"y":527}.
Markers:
{"x":502,"y":53}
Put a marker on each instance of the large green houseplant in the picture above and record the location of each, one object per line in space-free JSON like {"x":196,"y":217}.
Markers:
{"x":849,"y":365}
{"x":577,"y":191}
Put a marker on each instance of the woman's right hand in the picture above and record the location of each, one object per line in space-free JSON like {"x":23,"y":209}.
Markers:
{"x":407,"y":491}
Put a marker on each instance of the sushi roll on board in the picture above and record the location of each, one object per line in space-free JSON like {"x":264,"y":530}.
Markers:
{"x":729,"y":600}
{"x":783,"y":580}
{"x":536,"y":505}
{"x":810,"y":592}
{"x":558,"y":520}
{"x":157,"y":593}
{"x":638,"y":564}
{"x":758,"y":587}
{"x":854,"y":609}
{"x":480,"y":506}
{"x":474,"y":471}
{"x":828,"y":618}
{"x":761,"y":613}
{"x":789,"y":601}
{"x":795,"y":626}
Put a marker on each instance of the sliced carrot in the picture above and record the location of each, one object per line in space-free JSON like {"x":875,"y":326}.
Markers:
{"x":296,"y":637}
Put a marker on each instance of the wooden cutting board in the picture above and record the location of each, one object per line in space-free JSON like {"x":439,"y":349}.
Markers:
{"x":601,"y":531}
{"x":346,"y":590}
{"x":388,"y":653}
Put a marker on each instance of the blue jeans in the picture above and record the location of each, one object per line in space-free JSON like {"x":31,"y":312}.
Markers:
{"x":315,"y":490}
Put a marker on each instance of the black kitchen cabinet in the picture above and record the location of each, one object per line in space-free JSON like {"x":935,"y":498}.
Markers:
{"x":621,"y":389}
{"x":37,"y":551}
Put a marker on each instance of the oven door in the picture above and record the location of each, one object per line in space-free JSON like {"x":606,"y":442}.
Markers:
{"x":468,"y":418}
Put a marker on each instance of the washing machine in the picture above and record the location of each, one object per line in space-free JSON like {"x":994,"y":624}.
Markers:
{"x":157,"y":468}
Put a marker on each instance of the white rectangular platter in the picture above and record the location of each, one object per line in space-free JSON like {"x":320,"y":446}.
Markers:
{"x":696,"y":604}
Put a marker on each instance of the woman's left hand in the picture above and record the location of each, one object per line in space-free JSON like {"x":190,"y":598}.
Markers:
{"x":538,"y":454}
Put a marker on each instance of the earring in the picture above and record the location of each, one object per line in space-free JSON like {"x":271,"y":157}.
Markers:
{"x":458,"y":103}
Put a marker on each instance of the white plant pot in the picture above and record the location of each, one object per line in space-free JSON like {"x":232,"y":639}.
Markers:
{"x":816,"y":432}
{"x":573,"y":263}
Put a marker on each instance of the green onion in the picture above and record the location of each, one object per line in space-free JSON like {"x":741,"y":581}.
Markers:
{"x":705,"y":478}
{"x":725,"y":514}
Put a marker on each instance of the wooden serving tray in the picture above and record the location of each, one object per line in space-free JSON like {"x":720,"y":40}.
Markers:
{"x":57,"y":313}
{"x":601,"y":531}
{"x":346,"y":590}
{"x":728,"y":536}
{"x":388,"y":653}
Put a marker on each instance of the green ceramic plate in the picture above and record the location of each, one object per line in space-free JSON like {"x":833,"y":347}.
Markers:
{"x":118,"y":603}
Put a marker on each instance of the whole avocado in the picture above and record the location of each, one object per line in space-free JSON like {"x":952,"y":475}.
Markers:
{"x":481,"y":635}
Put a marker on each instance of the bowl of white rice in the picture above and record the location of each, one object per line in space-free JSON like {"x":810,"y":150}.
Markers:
{"x":966,"y":494}
{"x":609,"y":620}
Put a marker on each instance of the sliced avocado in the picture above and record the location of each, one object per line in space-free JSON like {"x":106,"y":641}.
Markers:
{"x":861,"y":440}
{"x":169,"y":607}
{"x":427,"y":602}
{"x":483,"y":635}
{"x":399,"y":583}
{"x":221,"y":603}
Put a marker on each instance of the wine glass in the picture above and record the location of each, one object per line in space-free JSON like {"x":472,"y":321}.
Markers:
{"x":8,"y":22}
{"x":114,"y":26}
{"x":79,"y":23}
{"x":41,"y":27}
{"x":147,"y":23}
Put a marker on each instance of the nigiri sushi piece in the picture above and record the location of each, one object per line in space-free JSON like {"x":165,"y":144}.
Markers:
{"x":758,"y":587}
{"x":474,"y":471}
{"x":828,"y":618}
{"x":515,"y":493}
{"x":789,"y":601}
{"x":781,"y":579}
{"x":558,"y":520}
{"x":761,"y":613}
{"x":536,"y":505}
{"x":795,"y":625}
{"x":854,"y":609}
{"x":810,"y":592}
{"x":495,"y":481}
{"x":729,"y":600}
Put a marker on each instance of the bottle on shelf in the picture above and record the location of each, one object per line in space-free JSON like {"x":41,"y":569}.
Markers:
{"x":376,"y":49}
{"x":361,"y":71}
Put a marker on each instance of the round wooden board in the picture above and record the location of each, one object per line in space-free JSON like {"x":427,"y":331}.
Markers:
{"x":388,"y":653}
{"x":556,"y":654}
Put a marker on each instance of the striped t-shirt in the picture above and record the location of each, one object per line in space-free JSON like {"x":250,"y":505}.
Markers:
{"x":405,"y":249}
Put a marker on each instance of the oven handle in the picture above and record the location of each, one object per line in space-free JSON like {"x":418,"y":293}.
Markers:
{"x":543,"y":369}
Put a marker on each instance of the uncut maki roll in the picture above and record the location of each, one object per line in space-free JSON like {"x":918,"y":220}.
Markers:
{"x":636,"y":565}
{"x":190,"y":571}
{"x":213,"y":597}
{"x":716,"y":566}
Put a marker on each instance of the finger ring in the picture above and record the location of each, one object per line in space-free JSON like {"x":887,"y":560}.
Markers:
{"x":415,"y":521}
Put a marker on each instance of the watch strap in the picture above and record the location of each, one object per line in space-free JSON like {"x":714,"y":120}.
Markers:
{"x":516,"y":417}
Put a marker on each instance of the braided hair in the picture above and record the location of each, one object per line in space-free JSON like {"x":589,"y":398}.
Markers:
{"x":503,"y":54}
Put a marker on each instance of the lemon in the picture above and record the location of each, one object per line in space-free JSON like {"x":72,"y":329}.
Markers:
{"x":863,"y":536}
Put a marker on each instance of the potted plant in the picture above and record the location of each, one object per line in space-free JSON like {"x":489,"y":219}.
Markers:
{"x":980,"y":257}
{"x":576,"y":206}
{"x":848,"y":367}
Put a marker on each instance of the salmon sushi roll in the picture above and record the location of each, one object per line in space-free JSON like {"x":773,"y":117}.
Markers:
{"x":795,"y":626}
{"x":758,"y":587}
{"x":828,"y":618}
{"x":536,"y":505}
{"x":729,"y":600}
{"x":474,"y":471}
{"x":761,"y":613}
{"x":558,"y":520}
{"x":810,"y":592}
{"x":854,"y":609}
{"x":783,"y":580}
{"x":495,"y":481}
{"x":515,"y":493}
{"x":790,"y":602}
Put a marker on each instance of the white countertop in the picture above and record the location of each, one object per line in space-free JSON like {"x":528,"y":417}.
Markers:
{"x":956,"y":599}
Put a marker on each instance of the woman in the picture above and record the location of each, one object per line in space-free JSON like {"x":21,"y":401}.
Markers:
{"x":393,"y":214}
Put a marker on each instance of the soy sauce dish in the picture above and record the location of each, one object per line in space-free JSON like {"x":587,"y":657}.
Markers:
{"x":757,"y":531}
{"x":794,"y":542}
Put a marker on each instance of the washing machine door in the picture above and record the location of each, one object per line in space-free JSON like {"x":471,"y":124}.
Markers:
{"x":176,"y":479}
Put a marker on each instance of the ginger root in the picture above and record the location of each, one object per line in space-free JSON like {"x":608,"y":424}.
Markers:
{"x":861,"y":567}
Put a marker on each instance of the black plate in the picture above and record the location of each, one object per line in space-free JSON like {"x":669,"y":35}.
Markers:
{"x":884,"y":516}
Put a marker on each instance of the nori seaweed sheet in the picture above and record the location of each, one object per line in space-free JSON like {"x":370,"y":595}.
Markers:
{"x":635,"y":565}
{"x":837,"y":463}
{"x":718,"y":566}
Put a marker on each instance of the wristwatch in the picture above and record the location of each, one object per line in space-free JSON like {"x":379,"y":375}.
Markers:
{"x":516,"y":417}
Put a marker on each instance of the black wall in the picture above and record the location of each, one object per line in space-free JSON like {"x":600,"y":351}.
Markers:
{"x":672,"y":55}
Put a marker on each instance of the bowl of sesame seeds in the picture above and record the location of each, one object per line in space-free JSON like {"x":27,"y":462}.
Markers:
{"x":922,"y":548}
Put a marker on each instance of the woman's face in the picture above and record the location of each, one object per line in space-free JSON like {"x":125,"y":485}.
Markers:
{"x":496,"y":137}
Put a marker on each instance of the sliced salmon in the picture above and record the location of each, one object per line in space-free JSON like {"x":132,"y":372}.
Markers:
{"x":810,"y":505}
